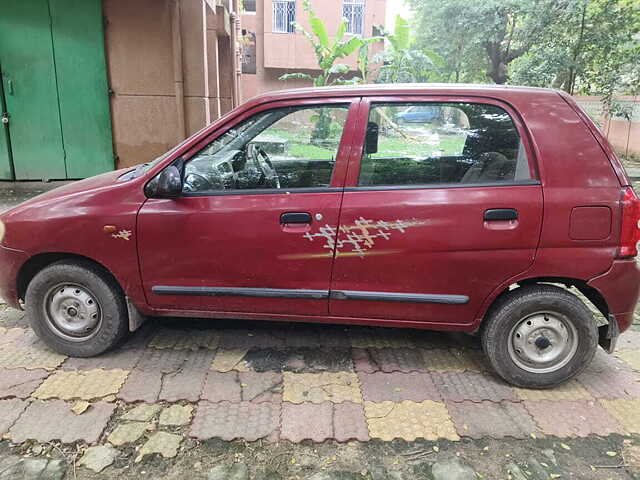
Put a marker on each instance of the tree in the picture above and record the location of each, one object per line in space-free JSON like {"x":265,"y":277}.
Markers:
{"x":592,"y":48}
{"x":329,"y":50}
{"x":481,"y":38}
{"x":402,"y":62}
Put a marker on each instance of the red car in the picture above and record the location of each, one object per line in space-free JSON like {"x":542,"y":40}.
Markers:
{"x":316,"y":205}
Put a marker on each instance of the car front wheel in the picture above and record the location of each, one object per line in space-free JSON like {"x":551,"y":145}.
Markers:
{"x":539,"y":336}
{"x":76,"y":309}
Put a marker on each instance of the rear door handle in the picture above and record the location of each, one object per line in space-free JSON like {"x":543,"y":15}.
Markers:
{"x":295,"y":217}
{"x":500,"y":214}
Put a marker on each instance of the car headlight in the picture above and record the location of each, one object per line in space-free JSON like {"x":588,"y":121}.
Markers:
{"x":2,"y":230}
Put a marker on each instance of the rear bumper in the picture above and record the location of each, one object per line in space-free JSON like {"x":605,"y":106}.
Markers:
{"x":10,"y":262}
{"x":620,"y":287}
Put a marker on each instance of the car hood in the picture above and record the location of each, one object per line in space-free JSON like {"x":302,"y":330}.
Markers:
{"x":80,"y":187}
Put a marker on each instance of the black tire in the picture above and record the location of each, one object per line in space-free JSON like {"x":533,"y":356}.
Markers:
{"x":506,"y":317}
{"x":112,"y":324}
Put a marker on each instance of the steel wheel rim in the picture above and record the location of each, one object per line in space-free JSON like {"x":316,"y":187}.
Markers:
{"x":543,"y":342}
{"x":72,"y":312}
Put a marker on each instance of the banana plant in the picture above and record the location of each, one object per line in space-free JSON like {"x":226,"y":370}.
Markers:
{"x":329,"y":50}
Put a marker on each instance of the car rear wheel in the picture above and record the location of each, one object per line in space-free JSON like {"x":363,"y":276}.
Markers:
{"x":76,"y":309}
{"x":539,"y":336}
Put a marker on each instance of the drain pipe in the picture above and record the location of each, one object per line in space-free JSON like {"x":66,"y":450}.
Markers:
{"x":178,"y":76}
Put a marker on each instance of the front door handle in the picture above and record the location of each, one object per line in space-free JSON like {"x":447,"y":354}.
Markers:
{"x":295,"y":217}
{"x":500,"y":214}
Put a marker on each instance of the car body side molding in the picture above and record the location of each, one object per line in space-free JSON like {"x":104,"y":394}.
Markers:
{"x":311,"y":294}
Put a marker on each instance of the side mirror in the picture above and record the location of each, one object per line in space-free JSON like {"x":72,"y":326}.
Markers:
{"x":371,"y":139}
{"x":166,"y":185}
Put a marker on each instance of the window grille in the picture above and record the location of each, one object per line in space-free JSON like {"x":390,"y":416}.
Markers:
{"x":284,"y":15}
{"x":353,"y":12}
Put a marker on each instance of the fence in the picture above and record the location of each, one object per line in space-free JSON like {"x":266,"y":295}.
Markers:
{"x":622,"y":132}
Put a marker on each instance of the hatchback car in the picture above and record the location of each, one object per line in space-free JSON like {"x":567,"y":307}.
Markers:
{"x":315,"y":205}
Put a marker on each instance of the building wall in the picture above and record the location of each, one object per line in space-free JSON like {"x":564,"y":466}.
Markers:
{"x":280,"y":53}
{"x":622,"y":133}
{"x":145,"y":47}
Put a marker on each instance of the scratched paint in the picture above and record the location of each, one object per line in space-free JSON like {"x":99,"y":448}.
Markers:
{"x":360,"y":238}
{"x":122,"y":234}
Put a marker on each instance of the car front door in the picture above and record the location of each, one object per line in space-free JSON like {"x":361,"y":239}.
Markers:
{"x":237,"y":239}
{"x":436,"y":215}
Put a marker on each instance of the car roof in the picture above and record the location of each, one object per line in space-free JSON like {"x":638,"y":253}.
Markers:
{"x":486,"y":90}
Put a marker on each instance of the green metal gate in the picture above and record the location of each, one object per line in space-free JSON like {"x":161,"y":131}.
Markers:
{"x":55,"y":93}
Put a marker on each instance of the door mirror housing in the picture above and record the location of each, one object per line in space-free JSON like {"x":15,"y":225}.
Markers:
{"x":168,"y":184}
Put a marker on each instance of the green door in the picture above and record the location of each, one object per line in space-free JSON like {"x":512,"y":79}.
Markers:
{"x":55,"y":89}
{"x":78,"y":45}
{"x":30,"y":91}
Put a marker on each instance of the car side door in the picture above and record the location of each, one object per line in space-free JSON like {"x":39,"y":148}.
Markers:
{"x":236,"y":240}
{"x":436,"y":215}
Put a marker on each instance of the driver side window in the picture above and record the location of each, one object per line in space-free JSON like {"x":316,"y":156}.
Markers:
{"x":284,"y":148}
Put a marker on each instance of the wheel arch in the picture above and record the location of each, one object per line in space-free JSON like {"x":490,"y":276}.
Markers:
{"x":592,"y":294}
{"x":40,"y":261}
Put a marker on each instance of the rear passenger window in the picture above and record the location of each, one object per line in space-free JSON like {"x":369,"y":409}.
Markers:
{"x":442,"y":143}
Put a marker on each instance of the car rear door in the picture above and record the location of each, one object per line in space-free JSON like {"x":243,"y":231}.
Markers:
{"x":435,"y":216}
{"x":238,"y":239}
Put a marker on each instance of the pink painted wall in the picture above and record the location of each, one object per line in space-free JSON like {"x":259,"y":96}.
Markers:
{"x":280,"y":53}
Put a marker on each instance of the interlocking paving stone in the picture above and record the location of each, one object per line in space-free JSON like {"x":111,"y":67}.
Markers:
{"x":409,"y":420}
{"x":10,"y":410}
{"x":19,"y":382}
{"x":629,"y":340}
{"x":30,"y":357}
{"x":221,"y":387}
{"x":475,"y":387}
{"x":141,"y":386}
{"x":176,"y":415}
{"x":261,"y":387}
{"x":388,"y":360}
{"x":162,"y":443}
{"x":631,"y":357}
{"x":396,"y":387}
{"x":99,"y":457}
{"x":454,"y":360}
{"x":183,"y":385}
{"x":244,"y":339}
{"x":307,"y":360}
{"x":185,"y":339}
{"x":349,"y":422}
{"x":227,"y":360}
{"x":155,"y":360}
{"x":565,"y":418}
{"x":87,"y":385}
{"x":626,"y":411}
{"x":53,"y":420}
{"x":245,"y":420}
{"x":320,"y":387}
{"x":571,"y":390}
{"x":612,"y":383}
{"x":326,"y":336}
{"x":142,"y":413}
{"x":119,"y":359}
{"x":489,"y":419}
{"x":307,"y":421}
{"x":10,"y":335}
{"x":380,"y":338}
{"x":127,"y":433}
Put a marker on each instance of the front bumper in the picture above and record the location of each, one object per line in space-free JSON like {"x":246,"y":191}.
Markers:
{"x":10,"y":262}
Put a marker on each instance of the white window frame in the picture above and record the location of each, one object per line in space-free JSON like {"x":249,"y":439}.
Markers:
{"x":350,"y":13}
{"x":284,"y":14}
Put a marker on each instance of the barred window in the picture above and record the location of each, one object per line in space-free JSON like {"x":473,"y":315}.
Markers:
{"x":284,"y":16}
{"x":353,"y":12}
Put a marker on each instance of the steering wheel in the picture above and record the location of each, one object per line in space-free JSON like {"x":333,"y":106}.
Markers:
{"x":266,"y":167}
{"x":194,"y":182}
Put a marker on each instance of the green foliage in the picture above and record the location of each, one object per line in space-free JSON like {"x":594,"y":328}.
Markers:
{"x":329,"y":50}
{"x":401,"y":62}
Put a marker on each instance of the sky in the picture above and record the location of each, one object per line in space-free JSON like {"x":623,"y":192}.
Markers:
{"x":395,"y":7}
